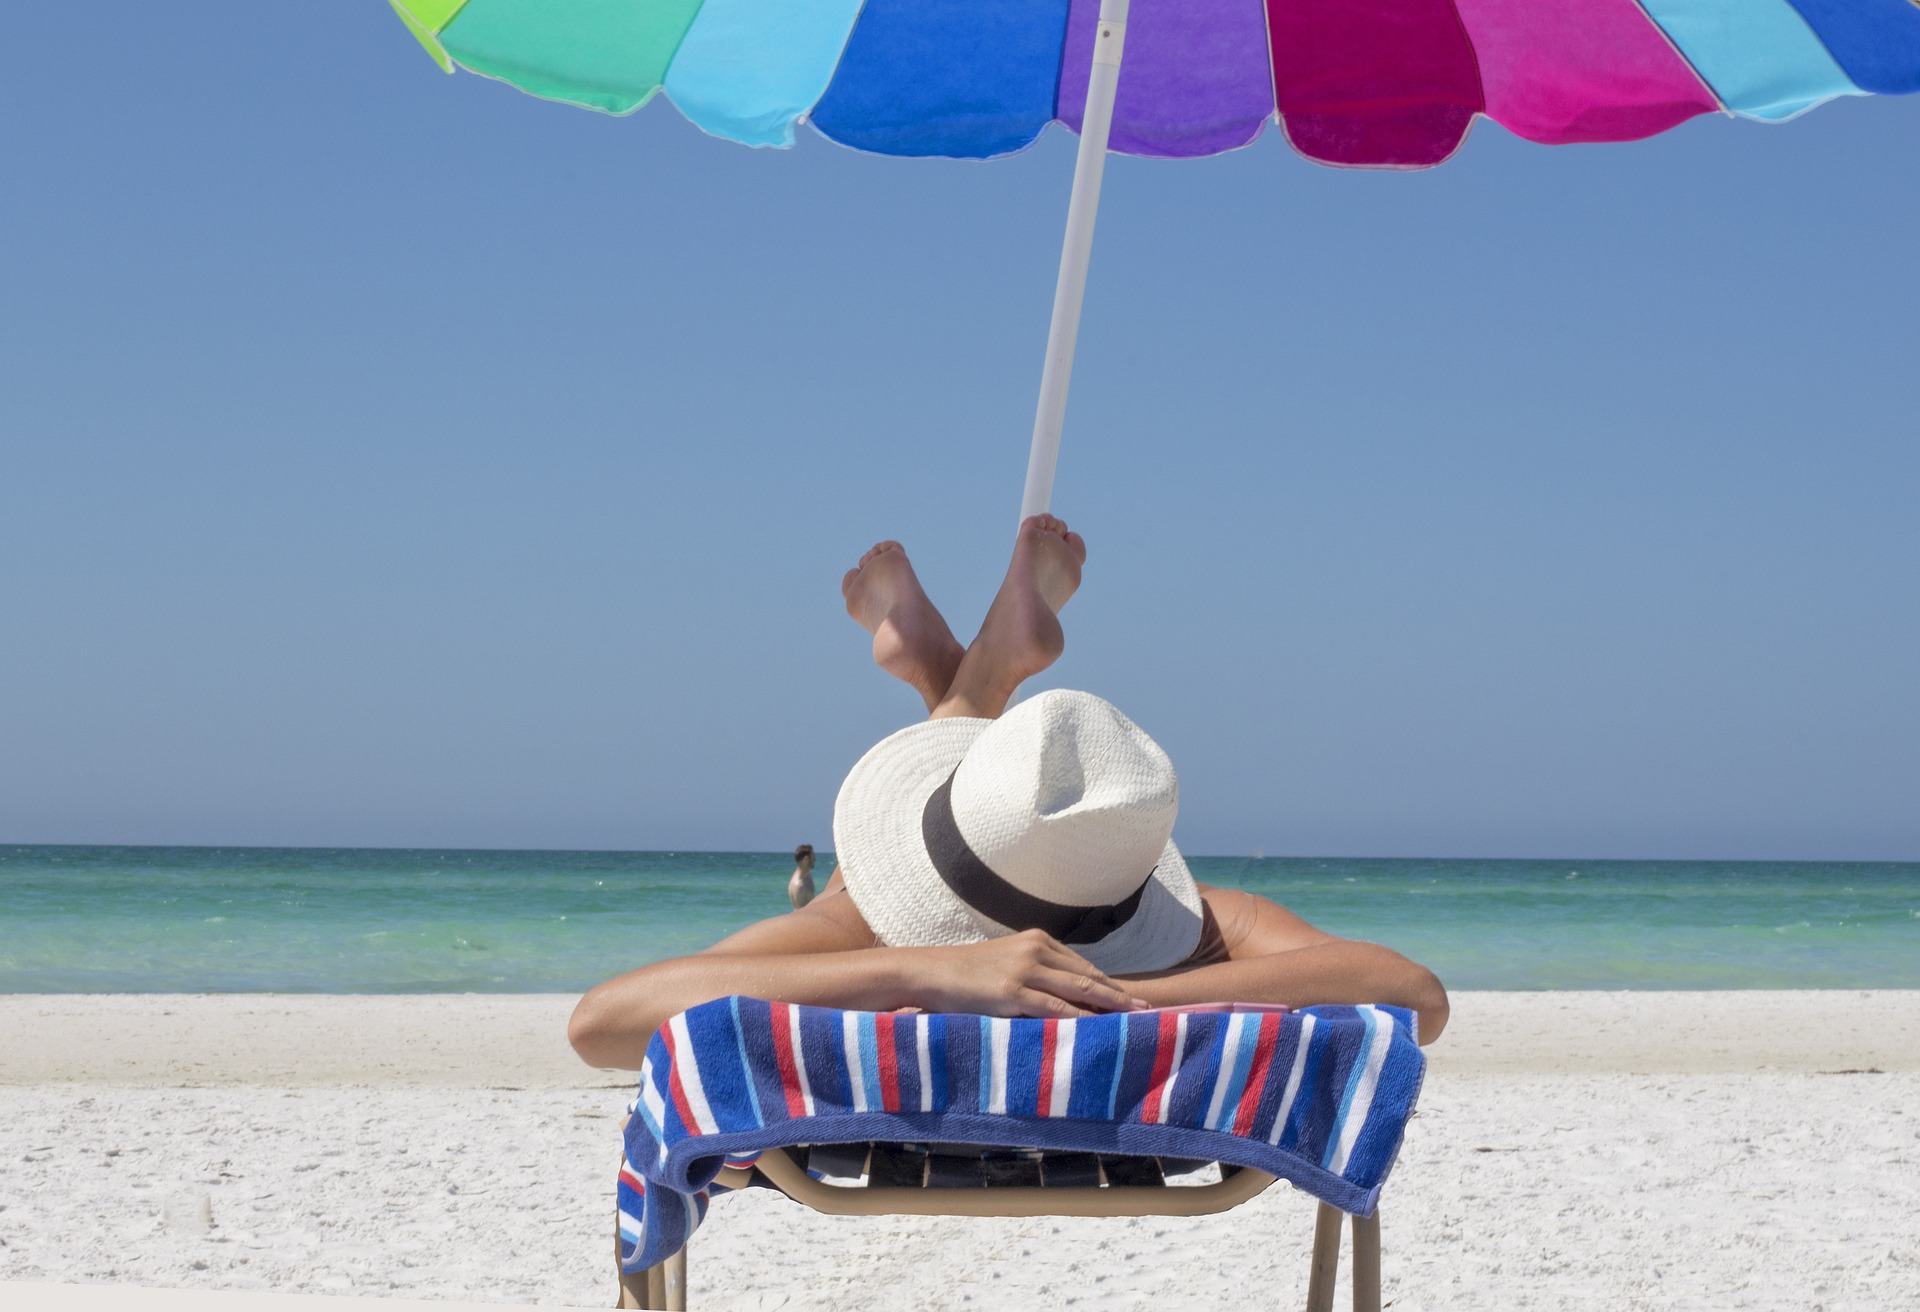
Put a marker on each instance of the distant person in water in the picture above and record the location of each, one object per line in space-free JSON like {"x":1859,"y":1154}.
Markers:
{"x":1007,"y":863}
{"x":800,"y":886}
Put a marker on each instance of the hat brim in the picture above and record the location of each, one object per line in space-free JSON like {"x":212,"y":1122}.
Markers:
{"x":883,"y":859}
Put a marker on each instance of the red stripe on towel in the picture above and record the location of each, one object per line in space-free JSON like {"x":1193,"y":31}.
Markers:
{"x":1049,"y":1036}
{"x":778,"y":1013}
{"x":680,"y":1103}
{"x":1257,"y":1074}
{"x":889,"y":1061}
{"x":1150,"y":1109}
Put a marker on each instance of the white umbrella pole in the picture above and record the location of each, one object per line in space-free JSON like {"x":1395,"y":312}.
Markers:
{"x":1074,"y":253}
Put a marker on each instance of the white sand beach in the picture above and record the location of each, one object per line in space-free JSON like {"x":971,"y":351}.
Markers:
{"x":1618,"y":1150}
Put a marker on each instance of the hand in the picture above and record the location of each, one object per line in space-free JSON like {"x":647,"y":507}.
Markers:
{"x":1024,"y":974}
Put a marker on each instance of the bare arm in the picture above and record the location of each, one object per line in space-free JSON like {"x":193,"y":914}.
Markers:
{"x":1274,"y":956}
{"x":824,"y":955}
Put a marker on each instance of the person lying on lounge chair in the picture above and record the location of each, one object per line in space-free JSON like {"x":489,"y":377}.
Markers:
{"x":1009,"y":863}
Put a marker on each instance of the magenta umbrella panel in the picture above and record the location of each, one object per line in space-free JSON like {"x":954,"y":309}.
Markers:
{"x":1359,"y":83}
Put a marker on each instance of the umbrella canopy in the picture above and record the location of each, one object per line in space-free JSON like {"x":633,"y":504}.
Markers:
{"x":1365,"y":83}
{"x":1391,"y":84}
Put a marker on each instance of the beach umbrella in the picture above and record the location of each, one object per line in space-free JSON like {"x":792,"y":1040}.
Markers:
{"x":1393,"y":84}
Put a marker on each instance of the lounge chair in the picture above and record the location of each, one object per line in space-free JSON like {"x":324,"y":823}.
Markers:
{"x":744,"y":1094}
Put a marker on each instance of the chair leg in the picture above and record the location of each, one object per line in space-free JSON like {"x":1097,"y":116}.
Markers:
{"x":633,"y":1290}
{"x":632,"y":1285}
{"x":1326,"y":1258}
{"x":1366,"y":1263}
{"x":674,"y":1270}
{"x":657,"y":1285}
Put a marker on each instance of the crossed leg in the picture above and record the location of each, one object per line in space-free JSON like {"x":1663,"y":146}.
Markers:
{"x":1020,"y":636}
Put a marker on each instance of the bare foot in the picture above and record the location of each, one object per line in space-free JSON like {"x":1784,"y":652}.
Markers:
{"x":911,"y":640}
{"x":1021,"y":635}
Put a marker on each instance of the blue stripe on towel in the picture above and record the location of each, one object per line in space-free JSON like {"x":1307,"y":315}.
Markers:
{"x":1285,"y":1049}
{"x":963,"y":1064}
{"x":870,"y":1059}
{"x":1329,"y":1083}
{"x":1119,"y":1069}
{"x":1237,"y":1044}
{"x":1350,"y":1090}
{"x":762,"y":1058}
{"x":1096,"y":1049}
{"x":1199,"y":1067}
{"x":716,"y":1049}
{"x":1400,"y":1077}
{"x":983,"y":1096}
{"x":824,"y":1048}
{"x":1136,"y":1072}
{"x":746,"y":1064}
{"x":939,"y":1047}
{"x":649,"y":1106}
{"x":1024,"y":1048}
{"x":1300,"y":1118}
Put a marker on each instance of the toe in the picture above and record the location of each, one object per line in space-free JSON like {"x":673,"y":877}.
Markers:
{"x":1079,"y":546}
{"x":846,"y":584}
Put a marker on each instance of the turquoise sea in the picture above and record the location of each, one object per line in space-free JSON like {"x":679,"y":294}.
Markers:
{"x":178,"y":919}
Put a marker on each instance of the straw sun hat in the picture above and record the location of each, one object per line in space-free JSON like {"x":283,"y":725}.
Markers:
{"x":1056,"y":816}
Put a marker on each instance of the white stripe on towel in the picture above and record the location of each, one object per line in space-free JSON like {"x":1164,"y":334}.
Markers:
{"x":1173,"y":1072}
{"x":1293,"y":1077}
{"x":1001,"y":1030}
{"x":1062,"y":1068}
{"x":800,"y":1059}
{"x":1229,"y":1059}
{"x":653,"y":1105}
{"x":1347,"y":1133}
{"x":856,"y":1073}
{"x":926,"y":1064}
{"x":688,"y":1069}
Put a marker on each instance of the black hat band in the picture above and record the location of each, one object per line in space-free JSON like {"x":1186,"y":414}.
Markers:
{"x":974,"y":883}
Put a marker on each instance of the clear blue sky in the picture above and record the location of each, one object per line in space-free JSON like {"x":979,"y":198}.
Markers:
{"x":389,"y":458}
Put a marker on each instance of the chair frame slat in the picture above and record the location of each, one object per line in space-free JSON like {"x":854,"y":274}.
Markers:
{"x":789,"y":1178}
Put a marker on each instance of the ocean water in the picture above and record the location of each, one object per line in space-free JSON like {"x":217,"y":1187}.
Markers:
{"x":176,"y":919}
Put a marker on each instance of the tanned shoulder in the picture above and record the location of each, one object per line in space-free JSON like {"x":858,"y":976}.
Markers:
{"x":1255,"y":926}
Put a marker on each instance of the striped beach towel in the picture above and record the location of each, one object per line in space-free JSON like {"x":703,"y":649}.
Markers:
{"x":1319,"y":1097}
